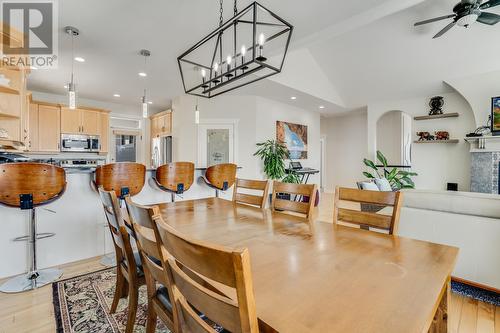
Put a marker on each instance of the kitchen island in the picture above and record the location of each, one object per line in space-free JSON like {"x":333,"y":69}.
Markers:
{"x":78,"y":220}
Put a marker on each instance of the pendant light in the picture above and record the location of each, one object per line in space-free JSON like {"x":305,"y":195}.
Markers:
{"x":237,"y":52}
{"x":196,"y":113}
{"x":145,"y":53}
{"x":73,"y":32}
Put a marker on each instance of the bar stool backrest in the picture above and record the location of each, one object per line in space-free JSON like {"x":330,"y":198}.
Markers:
{"x":45,"y":182}
{"x":175,"y":177}
{"x":123,"y":175}
{"x":221,"y":176}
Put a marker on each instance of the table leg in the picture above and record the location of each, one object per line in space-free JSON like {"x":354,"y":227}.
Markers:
{"x":440,"y":322}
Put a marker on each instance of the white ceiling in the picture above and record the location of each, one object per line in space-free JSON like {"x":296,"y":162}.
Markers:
{"x":113,"y":32}
{"x":368,"y":49}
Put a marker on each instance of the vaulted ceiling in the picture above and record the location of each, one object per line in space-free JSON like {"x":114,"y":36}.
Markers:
{"x":344,"y":54}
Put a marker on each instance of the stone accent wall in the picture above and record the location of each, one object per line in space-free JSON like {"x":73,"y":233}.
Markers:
{"x":484,"y":172}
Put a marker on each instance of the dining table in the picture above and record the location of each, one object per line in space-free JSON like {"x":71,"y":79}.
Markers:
{"x":312,"y":276}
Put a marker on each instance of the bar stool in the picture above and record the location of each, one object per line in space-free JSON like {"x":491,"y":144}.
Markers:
{"x":28,"y":186}
{"x":175,"y":178}
{"x":123,"y":178}
{"x":220,"y":177}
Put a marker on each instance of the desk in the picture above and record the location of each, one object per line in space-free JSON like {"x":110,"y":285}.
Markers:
{"x":304,"y":173}
{"x":322,"y":278}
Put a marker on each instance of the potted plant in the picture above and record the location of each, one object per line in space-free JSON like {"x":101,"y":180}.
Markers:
{"x":274,"y":153}
{"x":398,"y":179}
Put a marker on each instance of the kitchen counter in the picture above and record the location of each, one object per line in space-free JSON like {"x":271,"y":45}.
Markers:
{"x":78,"y":220}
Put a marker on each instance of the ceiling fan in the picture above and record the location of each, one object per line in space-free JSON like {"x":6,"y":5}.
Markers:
{"x":467,"y":12}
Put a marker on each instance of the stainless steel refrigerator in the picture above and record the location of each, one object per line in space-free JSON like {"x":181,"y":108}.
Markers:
{"x":161,"y":151}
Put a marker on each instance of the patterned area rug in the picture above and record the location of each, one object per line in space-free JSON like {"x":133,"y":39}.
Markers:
{"x":81,"y":305}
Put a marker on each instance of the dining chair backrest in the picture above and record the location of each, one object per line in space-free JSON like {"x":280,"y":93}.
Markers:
{"x":230,"y":267}
{"x":297,"y":192}
{"x":175,"y":177}
{"x":251,"y":199}
{"x":145,"y":231}
{"x":125,"y":178}
{"x":43,"y":182}
{"x":120,"y":236}
{"x":368,"y":219}
{"x":221,"y":176}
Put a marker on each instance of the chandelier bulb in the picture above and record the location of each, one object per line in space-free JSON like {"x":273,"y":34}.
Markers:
{"x":203,"y":73}
{"x":228,"y":60}
{"x":262,"y":39}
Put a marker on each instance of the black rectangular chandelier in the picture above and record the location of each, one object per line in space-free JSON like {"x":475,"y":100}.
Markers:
{"x":249,"y":47}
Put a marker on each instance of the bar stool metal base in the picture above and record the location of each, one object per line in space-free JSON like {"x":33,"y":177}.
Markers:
{"x":25,"y":282}
{"x":108,"y":260}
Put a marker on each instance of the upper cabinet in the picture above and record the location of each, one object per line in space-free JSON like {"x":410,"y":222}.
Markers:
{"x":161,"y":124}
{"x":47,"y":122}
{"x":80,"y":121}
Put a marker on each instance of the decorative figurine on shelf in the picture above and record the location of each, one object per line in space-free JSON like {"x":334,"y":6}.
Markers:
{"x":425,"y":136}
{"x":442,"y":135}
{"x":436,"y":105}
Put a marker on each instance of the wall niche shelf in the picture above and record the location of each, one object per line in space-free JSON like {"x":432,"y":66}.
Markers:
{"x":438,"y":141}
{"x":438,"y":116}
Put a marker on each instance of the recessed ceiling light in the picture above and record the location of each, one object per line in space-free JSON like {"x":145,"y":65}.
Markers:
{"x":79,"y":59}
{"x":321,"y":106}
{"x":150,"y":102}
{"x":143,"y":74}
{"x":293,"y":98}
{"x":66,"y":87}
{"x":116,"y":95}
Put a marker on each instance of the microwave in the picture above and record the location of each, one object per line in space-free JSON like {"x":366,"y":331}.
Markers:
{"x":80,"y":143}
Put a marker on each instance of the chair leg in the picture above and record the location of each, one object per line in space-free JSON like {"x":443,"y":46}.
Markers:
{"x":151,"y":319}
{"x":133,"y":296}
{"x":120,"y":283}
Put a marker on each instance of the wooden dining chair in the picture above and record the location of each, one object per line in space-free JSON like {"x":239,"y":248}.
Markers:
{"x":152,"y":256}
{"x":367,"y":220}
{"x":220,"y":177}
{"x":251,"y":199}
{"x":175,"y":178}
{"x":129,"y":270}
{"x":199,"y":309}
{"x":297,"y":193}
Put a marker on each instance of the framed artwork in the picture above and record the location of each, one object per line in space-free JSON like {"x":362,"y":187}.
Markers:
{"x":294,"y":136}
{"x":495,"y":115}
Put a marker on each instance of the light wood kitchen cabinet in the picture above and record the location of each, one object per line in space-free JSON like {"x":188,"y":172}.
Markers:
{"x":70,"y":121}
{"x":33,"y":128}
{"x":161,"y":124}
{"x":80,"y":121}
{"x":49,"y":134}
{"x":44,"y":128}
{"x":104,"y":131}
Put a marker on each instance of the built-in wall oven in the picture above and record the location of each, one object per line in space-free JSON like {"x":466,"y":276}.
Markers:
{"x":80,"y":143}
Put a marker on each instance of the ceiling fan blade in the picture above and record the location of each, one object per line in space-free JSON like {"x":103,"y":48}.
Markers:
{"x":445,"y":30}
{"x":488,"y":18}
{"x":435,"y":19}
{"x":489,"y":4}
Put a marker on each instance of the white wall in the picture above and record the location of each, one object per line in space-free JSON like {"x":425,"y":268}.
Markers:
{"x":436,"y":164}
{"x":390,"y":136}
{"x":478,"y":90}
{"x":256,"y":118}
{"x":346,"y":138}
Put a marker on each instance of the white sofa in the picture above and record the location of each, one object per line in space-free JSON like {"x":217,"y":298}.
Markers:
{"x":469,"y":221}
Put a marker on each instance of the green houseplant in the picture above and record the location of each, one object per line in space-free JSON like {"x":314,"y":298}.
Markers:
{"x":273,"y":154}
{"x":399,"y":179}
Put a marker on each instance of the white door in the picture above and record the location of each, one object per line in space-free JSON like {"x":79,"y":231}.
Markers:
{"x":215,"y":144}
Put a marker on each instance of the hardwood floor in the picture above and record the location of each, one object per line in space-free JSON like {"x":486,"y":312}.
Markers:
{"x":33,"y":311}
